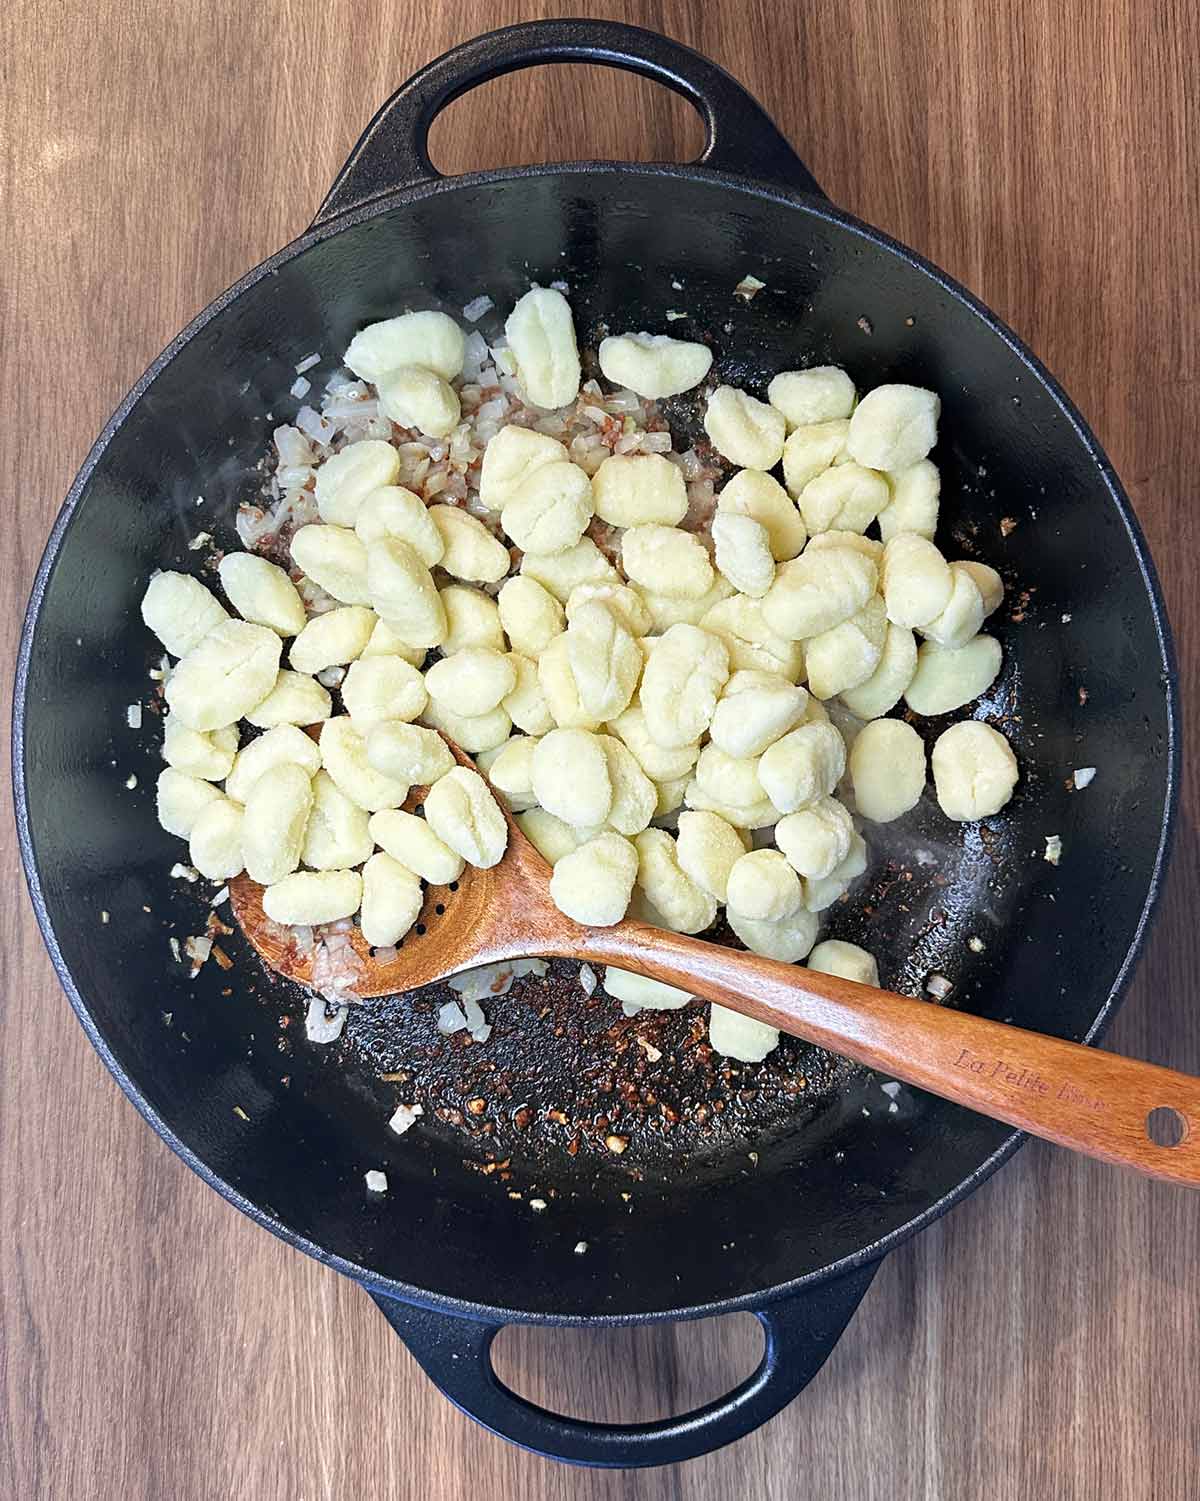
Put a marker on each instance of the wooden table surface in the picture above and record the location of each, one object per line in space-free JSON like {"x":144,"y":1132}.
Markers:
{"x":1044,"y":1339}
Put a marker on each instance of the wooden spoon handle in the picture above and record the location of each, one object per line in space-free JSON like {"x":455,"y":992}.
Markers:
{"x":1094,"y":1102}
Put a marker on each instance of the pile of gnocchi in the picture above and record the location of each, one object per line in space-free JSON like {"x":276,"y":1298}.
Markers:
{"x":647,"y":684}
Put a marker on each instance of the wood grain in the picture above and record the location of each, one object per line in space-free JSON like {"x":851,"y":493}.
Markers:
{"x":1040,"y":1341}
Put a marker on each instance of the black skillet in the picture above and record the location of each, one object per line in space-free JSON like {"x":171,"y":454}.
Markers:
{"x":683,"y":1225}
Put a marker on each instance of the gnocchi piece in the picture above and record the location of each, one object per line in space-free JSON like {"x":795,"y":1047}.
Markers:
{"x":747,"y":432}
{"x":472,"y":619}
{"x":605,"y":661}
{"x":736,"y":1036}
{"x":570,"y":777}
{"x":345,"y":479}
{"x":682,"y":906}
{"x":380,"y":688}
{"x":560,"y":691}
{"x":974,"y":771}
{"x":336,"y":837}
{"x":743,"y":552}
{"x":181,"y":799}
{"x":526,"y":704}
{"x":384,"y":642}
{"x":230,"y":672}
{"x":594,"y":883}
{"x":334,"y":558}
{"x":402,"y":591}
{"x":344,"y":757}
{"x":707,"y":849}
{"x":761,"y":497}
{"x":821,"y":894}
{"x":471,"y":682}
{"x":550,"y":836}
{"x":560,"y":572}
{"x":887,"y":767}
{"x":670,"y":795}
{"x":847,"y":655}
{"x":728,"y":779}
{"x":262,"y":593}
{"x":541,"y":335}
{"x":180,"y":611}
{"x":624,"y":603}
{"x":462,"y":812}
{"x":653,"y":365}
{"x":420,"y":399}
{"x":408,"y":753}
{"x":511,"y":458}
{"x":639,"y":490}
{"x":285,"y":745}
{"x":660,"y":763}
{"x":393,"y":511}
{"x":988,"y":582}
{"x":471,"y":552}
{"x":764,"y":887}
{"x":963,"y":614}
{"x":308,"y":897}
{"x":822,"y":393}
{"x":681,"y":683}
{"x":893,"y":427}
{"x":634,"y":795}
{"x":274,"y":823}
{"x":529,"y":613}
{"x":206,"y":755}
{"x":847,"y":960}
{"x":846,"y":498}
{"x":667,"y":560}
{"x":215,"y":846}
{"x":641,"y":993}
{"x":471,"y":732}
{"x":812,"y":450}
{"x":853,"y":540}
{"x":914,"y":503}
{"x":762,"y":814}
{"x":802,"y":766}
{"x":666,"y":610}
{"x":431,"y":340}
{"x":551,"y":510}
{"x":391,"y":901}
{"x":788,"y":941}
{"x":817,"y":591}
{"x":754,"y":710}
{"x":816,"y":840}
{"x":329,"y":640}
{"x":915,"y":580}
{"x":946,"y":678}
{"x":883,"y":690}
{"x":752,"y":645}
{"x":413,"y":842}
{"x":511,"y":773}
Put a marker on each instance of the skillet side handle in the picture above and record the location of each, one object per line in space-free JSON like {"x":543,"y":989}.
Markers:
{"x":800,"y":1332}
{"x":393,"y":151}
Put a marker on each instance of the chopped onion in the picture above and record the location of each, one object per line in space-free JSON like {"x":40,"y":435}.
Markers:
{"x":1083,"y":775}
{"x":450,"y":1018}
{"x":405,"y":1117}
{"x":323,"y":1023}
{"x":587,"y":979}
{"x":376,"y":1181}
{"x":475,"y":309}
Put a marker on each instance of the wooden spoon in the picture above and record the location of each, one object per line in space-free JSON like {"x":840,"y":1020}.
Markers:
{"x":1093,"y":1102}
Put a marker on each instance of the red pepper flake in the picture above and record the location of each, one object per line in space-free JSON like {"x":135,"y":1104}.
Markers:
{"x":1007,"y":524}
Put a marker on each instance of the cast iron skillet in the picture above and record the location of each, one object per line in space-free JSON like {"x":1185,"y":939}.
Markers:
{"x":285,"y":1132}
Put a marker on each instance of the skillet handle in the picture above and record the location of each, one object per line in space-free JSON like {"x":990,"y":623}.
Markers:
{"x":800,"y":1332}
{"x":393,"y":151}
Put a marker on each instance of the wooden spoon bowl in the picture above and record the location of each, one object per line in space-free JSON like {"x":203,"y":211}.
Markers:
{"x":1093,"y":1102}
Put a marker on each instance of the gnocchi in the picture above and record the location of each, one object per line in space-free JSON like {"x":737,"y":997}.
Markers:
{"x":887,"y":768}
{"x":344,"y":757}
{"x":893,"y":427}
{"x":822,"y":393}
{"x":745,"y":431}
{"x":810,"y":451}
{"x":817,"y":591}
{"x":180,"y":799}
{"x":215,"y":845}
{"x":421,"y":399}
{"x":180,"y":611}
{"x":206,"y":755}
{"x":570,"y":777}
{"x":330,"y":640}
{"x":471,"y":552}
{"x":408,"y":753}
{"x":414,"y":844}
{"x":764,"y":887}
{"x":707,"y":849}
{"x":462,"y":812}
{"x":683,"y":906}
{"x":529,"y":613}
{"x":334,"y":558}
{"x":761,"y":497}
{"x":755,"y":709}
{"x":541,"y":335}
{"x":295,"y":699}
{"x":345,"y":479}
{"x":262,"y":593}
{"x":736,"y":1036}
{"x":431,"y":340}
{"x":550,"y":511}
{"x":472,"y":681}
{"x":593,"y":884}
{"x":313,"y":896}
{"x":653,"y":365}
{"x":816,"y":840}
{"x":227,"y":674}
{"x":667,"y":560}
{"x":472,"y":619}
{"x":274,"y":822}
{"x":974,"y":771}
{"x":845,"y":498}
{"x":336,"y":836}
{"x":639,"y":490}
{"x":285,"y":745}
{"x":947,"y":678}
{"x":604,"y":659}
{"x":846,"y":656}
{"x":743,"y":552}
{"x":402,"y":592}
{"x":393,"y":511}
{"x":379,"y":688}
{"x":391,"y":900}
{"x":847,"y":960}
{"x":802,"y":766}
